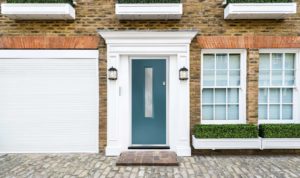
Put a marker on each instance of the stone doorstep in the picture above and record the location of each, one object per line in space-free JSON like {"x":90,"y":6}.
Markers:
{"x":148,"y":158}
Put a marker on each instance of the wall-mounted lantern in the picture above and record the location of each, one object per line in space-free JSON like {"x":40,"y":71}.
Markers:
{"x":112,"y":73}
{"x":183,"y":73}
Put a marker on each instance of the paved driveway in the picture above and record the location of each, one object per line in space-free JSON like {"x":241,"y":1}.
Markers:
{"x":97,"y":165}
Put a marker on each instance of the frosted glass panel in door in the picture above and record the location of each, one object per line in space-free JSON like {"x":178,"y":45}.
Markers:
{"x":148,"y":92}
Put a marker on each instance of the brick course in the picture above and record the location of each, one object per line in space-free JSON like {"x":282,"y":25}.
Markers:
{"x":205,"y":16}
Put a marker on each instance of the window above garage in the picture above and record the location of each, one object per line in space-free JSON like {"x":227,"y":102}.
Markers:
{"x":39,"y":9}
{"x":259,"y":9}
{"x":148,"y":9}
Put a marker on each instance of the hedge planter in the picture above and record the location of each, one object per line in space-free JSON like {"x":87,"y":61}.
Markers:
{"x":38,"y":11}
{"x":259,"y":10}
{"x":280,"y":136}
{"x":142,"y":11}
{"x":280,"y":143}
{"x":226,"y":143}
{"x":239,"y":136}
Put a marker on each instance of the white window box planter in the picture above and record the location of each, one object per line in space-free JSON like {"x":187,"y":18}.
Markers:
{"x":149,"y":11}
{"x":227,"y":143}
{"x":281,"y":143}
{"x":259,"y":10}
{"x":38,"y":11}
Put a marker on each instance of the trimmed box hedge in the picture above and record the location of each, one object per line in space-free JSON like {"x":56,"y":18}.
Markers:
{"x":147,"y":1}
{"x":279,"y":130}
{"x":226,"y":131}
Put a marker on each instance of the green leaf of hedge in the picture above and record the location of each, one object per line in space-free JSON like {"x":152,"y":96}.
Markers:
{"x":226,"y":131}
{"x":279,"y":130}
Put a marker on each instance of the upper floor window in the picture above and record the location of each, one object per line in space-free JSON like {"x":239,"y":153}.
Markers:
{"x":277,"y":87}
{"x":223,"y":86}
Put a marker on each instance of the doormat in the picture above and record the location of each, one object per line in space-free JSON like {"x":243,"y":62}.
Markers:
{"x":147,"y":158}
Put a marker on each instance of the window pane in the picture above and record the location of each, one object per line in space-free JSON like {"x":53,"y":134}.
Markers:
{"x":208,"y":61}
{"x":263,"y":96}
{"x":221,"y":60}
{"x":233,"y":112}
{"x":264,"y":77}
{"x":220,"y":113}
{"x":221,"y":78}
{"x":148,"y":92}
{"x":207,"y":96}
{"x":207,"y":112}
{"x":289,"y":78}
{"x":208,"y":77}
{"x":277,"y":61}
{"x":289,"y":61}
{"x":220,"y":96}
{"x":234,"y":78}
{"x":264,"y":61}
{"x":233,"y":95}
{"x":234,"y":61}
{"x":262,"y":112}
{"x":274,"y":112}
{"x":274,"y":95}
{"x":277,"y":77}
{"x":287,"y":112}
{"x":287,"y":95}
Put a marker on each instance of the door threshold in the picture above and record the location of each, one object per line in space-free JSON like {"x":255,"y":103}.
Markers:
{"x":150,"y":147}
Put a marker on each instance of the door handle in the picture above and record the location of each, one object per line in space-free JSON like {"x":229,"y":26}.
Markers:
{"x":164,"y":83}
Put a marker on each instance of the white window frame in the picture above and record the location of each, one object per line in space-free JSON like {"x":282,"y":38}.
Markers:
{"x":296,"y":88}
{"x":242,"y":88}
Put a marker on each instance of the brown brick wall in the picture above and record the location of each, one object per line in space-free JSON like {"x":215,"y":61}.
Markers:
{"x":205,"y":16}
{"x":252,"y":85}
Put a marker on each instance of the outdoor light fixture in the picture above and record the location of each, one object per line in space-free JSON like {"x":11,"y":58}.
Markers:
{"x":183,"y":74}
{"x":112,"y":73}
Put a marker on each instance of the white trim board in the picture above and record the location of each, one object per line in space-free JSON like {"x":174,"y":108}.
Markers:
{"x":38,"y":11}
{"x":259,"y":10}
{"x":143,"y":11}
{"x":121,"y":47}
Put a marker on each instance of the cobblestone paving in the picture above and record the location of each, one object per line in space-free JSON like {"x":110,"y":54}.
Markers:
{"x":97,"y":165}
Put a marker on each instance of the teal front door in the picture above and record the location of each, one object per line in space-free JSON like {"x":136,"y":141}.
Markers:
{"x":149,"y":102}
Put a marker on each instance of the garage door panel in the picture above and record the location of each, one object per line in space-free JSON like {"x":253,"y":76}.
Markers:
{"x":49,"y":105}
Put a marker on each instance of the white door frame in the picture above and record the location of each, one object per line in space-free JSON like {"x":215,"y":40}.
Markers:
{"x":167,"y":94}
{"x":121,"y":45}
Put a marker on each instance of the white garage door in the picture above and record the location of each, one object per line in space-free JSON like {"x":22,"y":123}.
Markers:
{"x":49,"y":101}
